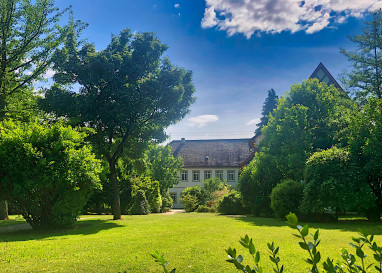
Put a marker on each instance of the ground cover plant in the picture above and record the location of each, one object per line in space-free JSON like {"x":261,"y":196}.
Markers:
{"x":192,"y":242}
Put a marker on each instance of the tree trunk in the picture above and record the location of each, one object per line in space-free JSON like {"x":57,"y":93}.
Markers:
{"x":3,"y":210}
{"x":116,"y":197}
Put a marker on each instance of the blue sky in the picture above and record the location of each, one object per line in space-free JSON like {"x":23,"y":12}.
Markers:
{"x":237,"y":49}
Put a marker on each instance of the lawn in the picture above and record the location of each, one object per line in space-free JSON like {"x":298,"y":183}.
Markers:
{"x":191,"y":243}
{"x":13,"y":220}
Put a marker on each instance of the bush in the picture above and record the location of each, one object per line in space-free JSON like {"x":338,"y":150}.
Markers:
{"x":286,"y":198}
{"x":151,"y":190}
{"x":203,"y":208}
{"x":232,"y":204}
{"x":140,"y":205}
{"x":190,"y":202}
{"x":167,"y":202}
{"x":211,"y":185}
{"x":332,"y":181}
{"x":48,"y":172}
{"x":197,"y":192}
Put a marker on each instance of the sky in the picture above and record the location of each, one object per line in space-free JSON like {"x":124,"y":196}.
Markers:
{"x":236,"y":49}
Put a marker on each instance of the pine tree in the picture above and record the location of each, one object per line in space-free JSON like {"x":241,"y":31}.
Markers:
{"x":268,"y":106}
{"x":365,"y":80}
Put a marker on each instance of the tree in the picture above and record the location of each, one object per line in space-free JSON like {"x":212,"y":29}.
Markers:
{"x":163,"y":167}
{"x":366,"y":150}
{"x":211,"y":185}
{"x":128,"y":94}
{"x":269,"y":105}
{"x":308,"y":118}
{"x":365,"y":80}
{"x":47,"y":172}
{"x":29,"y":35}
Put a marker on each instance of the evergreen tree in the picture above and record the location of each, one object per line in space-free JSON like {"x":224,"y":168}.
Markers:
{"x":365,"y":80}
{"x":268,"y":106}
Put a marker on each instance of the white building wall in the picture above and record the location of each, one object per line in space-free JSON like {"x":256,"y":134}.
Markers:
{"x":177,"y":190}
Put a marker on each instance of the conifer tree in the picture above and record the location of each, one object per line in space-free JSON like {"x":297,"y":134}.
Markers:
{"x":268,"y":106}
{"x":365,"y":79}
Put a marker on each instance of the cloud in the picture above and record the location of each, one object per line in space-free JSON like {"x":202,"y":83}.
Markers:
{"x":176,"y":6}
{"x":253,"y":121}
{"x":275,"y":16}
{"x":202,"y":120}
{"x":49,"y":74}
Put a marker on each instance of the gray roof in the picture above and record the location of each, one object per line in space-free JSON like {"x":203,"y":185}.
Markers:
{"x":212,"y":153}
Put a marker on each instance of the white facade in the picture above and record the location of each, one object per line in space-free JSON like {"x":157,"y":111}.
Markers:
{"x":195,"y":176}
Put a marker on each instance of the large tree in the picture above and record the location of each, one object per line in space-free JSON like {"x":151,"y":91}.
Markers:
{"x":269,"y":105}
{"x":365,"y":79}
{"x":127,"y":92}
{"x":307,"y":119}
{"x":29,"y":35}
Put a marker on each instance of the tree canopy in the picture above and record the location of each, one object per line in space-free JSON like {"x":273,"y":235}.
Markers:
{"x":127,"y":92}
{"x":269,"y":105}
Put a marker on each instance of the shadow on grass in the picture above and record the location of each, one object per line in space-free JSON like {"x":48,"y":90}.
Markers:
{"x":343,"y":225}
{"x":84,"y":227}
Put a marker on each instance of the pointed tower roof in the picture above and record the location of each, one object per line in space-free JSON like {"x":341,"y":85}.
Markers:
{"x":323,"y":75}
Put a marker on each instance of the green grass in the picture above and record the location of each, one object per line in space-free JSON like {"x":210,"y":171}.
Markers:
{"x":13,"y":220}
{"x":191,"y":243}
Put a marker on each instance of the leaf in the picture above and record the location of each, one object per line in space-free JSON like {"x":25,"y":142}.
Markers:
{"x":257,"y":257}
{"x":317,"y":258}
{"x":316,"y":234}
{"x":305,"y":230}
{"x":360,"y":253}
{"x":239,"y":259}
{"x":251,"y":248}
{"x":292,"y":220}
{"x":303,"y":245}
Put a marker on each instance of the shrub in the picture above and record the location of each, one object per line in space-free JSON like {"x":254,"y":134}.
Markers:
{"x":286,"y":198}
{"x":203,"y":208}
{"x":217,"y":196}
{"x":332,"y":181}
{"x":197,"y":192}
{"x":140,"y":205}
{"x":190,"y":202}
{"x":211,"y":185}
{"x":167,"y":202}
{"x":232,"y":204}
{"x":48,"y":172}
{"x":151,"y":190}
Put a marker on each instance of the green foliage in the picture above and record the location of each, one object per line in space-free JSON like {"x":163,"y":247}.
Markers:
{"x":161,"y":260}
{"x":232,"y":204}
{"x":365,"y":79}
{"x":269,"y":105}
{"x":47,"y":171}
{"x":151,"y":190}
{"x":30,"y":34}
{"x":128,"y":93}
{"x":331,"y":180}
{"x":190,"y":202}
{"x":211,"y":185}
{"x":167,"y":202}
{"x":286,"y":197}
{"x":196,"y":191}
{"x":163,"y":167}
{"x":141,"y":205}
{"x":365,"y":149}
{"x":203,"y":208}
{"x":308,"y":118}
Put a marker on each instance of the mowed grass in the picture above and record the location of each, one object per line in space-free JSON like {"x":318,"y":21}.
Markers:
{"x":13,"y":220}
{"x":190,"y":242}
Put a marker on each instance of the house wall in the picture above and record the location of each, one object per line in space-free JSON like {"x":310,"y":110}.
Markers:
{"x":177,"y":190}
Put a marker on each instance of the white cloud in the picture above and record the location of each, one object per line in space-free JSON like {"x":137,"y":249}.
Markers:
{"x":49,"y":74}
{"x":275,"y":16}
{"x":253,"y":121}
{"x":176,"y":6}
{"x":202,"y":120}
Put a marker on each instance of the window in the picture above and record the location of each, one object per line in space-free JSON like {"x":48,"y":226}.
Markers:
{"x":173,"y":196}
{"x":231,"y":176}
{"x":207,"y":175}
{"x":195,"y":175}
{"x":184,"y":176}
{"x":219,"y":174}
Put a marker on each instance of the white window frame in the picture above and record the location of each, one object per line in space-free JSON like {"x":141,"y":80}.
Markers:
{"x":193,"y":176}
{"x":184,"y":176}
{"x":231,"y":172}
{"x":205,"y":174}
{"x":222,"y":174}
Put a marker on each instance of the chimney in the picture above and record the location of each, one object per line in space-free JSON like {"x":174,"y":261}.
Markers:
{"x":182,"y":140}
